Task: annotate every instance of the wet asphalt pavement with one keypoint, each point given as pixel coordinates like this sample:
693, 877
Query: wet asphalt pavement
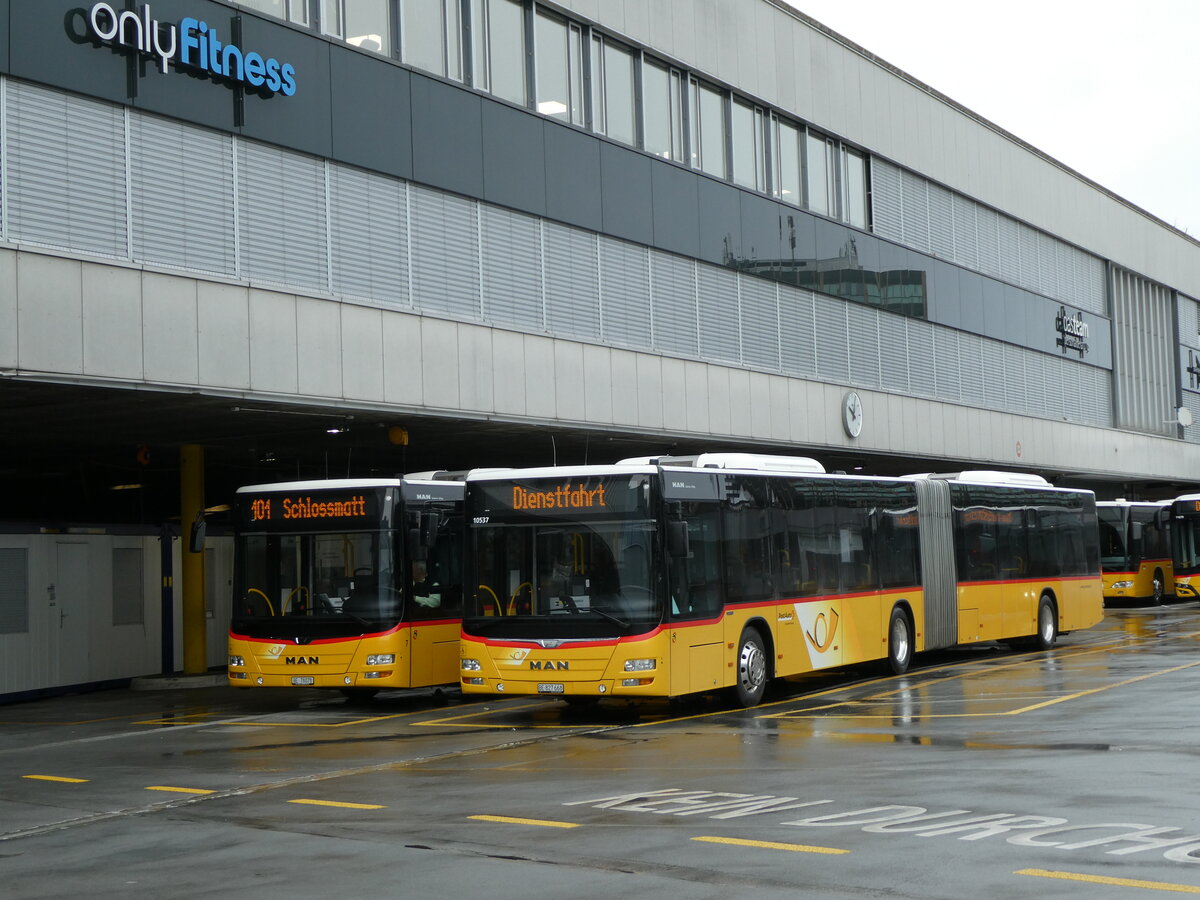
981, 773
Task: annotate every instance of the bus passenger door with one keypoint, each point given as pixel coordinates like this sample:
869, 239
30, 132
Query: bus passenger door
696, 606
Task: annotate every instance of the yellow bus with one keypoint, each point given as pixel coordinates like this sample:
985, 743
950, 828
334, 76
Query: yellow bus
1184, 518
661, 577
352, 584
1135, 551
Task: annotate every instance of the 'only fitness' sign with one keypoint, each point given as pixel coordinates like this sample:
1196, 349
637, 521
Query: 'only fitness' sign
191, 44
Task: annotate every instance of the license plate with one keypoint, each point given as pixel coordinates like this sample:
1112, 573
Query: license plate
545, 688
303, 679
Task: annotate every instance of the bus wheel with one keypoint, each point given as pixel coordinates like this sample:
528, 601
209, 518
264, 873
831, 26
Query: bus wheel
751, 669
1047, 625
899, 641
1158, 587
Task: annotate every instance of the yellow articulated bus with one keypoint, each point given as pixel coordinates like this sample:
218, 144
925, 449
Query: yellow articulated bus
1135, 551
352, 584
660, 577
1184, 518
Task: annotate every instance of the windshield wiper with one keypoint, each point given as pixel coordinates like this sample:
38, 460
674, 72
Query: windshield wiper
608, 615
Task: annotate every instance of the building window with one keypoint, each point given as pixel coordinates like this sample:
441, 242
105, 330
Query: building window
559, 51
498, 48
786, 183
854, 188
816, 173
749, 154
363, 23
613, 99
291, 10
662, 111
708, 129
431, 36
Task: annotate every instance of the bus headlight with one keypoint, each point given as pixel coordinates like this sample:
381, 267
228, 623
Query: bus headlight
639, 665
381, 659
471, 665
237, 661
1122, 584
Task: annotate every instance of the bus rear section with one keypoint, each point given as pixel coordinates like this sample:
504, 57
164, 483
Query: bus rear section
1041, 575
1135, 552
352, 584
1185, 545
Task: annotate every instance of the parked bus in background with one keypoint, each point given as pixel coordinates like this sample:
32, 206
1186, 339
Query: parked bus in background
663, 577
1184, 519
1135, 551
352, 584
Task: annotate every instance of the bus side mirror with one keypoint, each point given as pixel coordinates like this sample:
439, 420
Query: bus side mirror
199, 531
677, 538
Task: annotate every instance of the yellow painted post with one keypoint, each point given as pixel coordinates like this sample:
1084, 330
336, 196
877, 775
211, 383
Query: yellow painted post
191, 500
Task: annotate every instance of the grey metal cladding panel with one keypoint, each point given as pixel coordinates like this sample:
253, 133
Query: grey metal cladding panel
625, 194
514, 167
676, 198
191, 94
943, 295
970, 301
447, 136
761, 227
54, 48
796, 332
5, 32
799, 239
371, 112
301, 122
572, 176
720, 221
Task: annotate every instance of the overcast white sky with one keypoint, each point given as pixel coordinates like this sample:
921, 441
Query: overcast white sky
1108, 87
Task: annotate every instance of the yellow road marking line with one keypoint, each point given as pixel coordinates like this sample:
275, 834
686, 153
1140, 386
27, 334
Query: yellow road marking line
56, 778
1106, 687
489, 712
510, 820
770, 845
179, 790
878, 698
338, 804
1115, 882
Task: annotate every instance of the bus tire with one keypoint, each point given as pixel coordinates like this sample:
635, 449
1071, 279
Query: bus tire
752, 667
900, 643
1157, 597
1047, 625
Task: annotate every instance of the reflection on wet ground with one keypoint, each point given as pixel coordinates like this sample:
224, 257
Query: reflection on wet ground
1098, 730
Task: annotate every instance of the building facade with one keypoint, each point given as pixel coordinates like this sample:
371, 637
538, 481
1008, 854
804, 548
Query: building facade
699, 223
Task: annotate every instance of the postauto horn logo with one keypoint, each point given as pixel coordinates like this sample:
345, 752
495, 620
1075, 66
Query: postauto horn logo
193, 44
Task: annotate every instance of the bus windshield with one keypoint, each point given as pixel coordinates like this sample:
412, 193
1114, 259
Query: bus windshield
336, 577
1114, 532
1185, 539
597, 575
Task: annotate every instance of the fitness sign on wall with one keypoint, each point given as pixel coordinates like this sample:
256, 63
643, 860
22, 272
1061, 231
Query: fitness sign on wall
192, 45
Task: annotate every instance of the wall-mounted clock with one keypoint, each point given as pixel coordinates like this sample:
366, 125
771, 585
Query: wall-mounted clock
852, 413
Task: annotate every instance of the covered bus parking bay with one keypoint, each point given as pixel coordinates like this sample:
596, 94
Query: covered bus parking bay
93, 478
